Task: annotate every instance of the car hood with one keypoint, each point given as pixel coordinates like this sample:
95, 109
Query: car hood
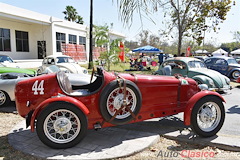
75, 68
16, 70
217, 77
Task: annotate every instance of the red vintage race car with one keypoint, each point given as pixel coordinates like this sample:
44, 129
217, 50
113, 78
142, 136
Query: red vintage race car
62, 112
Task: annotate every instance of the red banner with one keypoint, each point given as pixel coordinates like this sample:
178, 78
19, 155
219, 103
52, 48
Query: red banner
121, 53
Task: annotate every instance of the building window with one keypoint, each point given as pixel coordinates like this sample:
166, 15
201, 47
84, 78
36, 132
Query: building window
72, 39
22, 44
5, 43
82, 40
60, 38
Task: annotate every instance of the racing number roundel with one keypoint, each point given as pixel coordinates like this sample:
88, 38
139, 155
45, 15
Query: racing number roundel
38, 87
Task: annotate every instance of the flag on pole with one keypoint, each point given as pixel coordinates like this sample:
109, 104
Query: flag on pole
188, 53
121, 53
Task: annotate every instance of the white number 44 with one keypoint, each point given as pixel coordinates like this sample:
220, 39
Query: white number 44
38, 87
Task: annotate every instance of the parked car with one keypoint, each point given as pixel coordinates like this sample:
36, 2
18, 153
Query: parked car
8, 82
63, 112
5, 58
7, 61
65, 63
225, 65
197, 70
7, 86
4, 69
202, 58
237, 59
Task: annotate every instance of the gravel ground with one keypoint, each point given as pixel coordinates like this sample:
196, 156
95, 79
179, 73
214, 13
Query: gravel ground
164, 149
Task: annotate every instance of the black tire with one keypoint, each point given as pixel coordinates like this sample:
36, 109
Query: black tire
74, 125
109, 94
203, 113
4, 99
235, 74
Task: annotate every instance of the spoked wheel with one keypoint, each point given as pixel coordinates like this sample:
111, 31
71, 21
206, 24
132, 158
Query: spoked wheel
208, 116
4, 99
61, 125
112, 100
235, 74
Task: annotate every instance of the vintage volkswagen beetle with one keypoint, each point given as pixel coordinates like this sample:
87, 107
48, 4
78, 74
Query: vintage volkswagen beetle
197, 70
64, 62
63, 112
225, 65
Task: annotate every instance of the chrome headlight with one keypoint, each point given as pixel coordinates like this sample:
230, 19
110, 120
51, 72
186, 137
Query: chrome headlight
211, 83
203, 87
85, 71
227, 80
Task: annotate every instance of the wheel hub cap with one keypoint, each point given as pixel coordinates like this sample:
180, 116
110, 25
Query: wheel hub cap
118, 101
206, 116
2, 98
62, 125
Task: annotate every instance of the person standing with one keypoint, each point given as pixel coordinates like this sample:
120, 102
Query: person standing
160, 58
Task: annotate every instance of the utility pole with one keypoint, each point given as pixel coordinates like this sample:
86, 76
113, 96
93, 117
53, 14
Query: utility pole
90, 64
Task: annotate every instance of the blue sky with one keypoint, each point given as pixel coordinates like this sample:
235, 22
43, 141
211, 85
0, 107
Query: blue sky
106, 12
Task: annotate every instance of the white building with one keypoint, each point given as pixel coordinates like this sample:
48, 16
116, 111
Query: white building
24, 34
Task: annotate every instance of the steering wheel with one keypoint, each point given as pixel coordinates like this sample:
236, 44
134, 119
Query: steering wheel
93, 70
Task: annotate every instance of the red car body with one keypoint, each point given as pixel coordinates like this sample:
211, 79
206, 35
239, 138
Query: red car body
157, 96
238, 80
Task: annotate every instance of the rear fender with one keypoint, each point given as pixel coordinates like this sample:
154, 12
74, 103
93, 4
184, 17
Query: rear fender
230, 73
66, 99
193, 100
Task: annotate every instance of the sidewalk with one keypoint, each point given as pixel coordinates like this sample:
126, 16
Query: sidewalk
115, 142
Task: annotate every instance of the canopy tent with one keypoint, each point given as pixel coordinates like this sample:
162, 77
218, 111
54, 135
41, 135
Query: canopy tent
235, 52
147, 49
220, 52
201, 51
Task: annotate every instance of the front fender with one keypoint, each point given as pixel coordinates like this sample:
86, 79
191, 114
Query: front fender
193, 100
42, 105
203, 79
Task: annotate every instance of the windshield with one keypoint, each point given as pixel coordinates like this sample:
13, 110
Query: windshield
232, 61
196, 64
6, 58
65, 60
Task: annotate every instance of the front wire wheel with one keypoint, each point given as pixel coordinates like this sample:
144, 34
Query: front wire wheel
208, 116
61, 125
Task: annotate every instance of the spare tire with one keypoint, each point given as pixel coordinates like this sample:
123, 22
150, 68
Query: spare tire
111, 100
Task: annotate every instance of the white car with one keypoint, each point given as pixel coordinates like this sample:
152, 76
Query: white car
65, 63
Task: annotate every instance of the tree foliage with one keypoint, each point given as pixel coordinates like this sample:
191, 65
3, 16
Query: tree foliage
101, 35
71, 14
190, 18
236, 36
102, 39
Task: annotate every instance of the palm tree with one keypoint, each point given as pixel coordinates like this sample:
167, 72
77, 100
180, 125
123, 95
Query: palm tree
101, 35
70, 13
79, 19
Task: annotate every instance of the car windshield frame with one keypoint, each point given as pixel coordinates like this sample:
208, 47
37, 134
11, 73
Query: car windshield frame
64, 60
4, 58
196, 64
232, 61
